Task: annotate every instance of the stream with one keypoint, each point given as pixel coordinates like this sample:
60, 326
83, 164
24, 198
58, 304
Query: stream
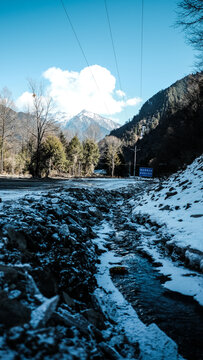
179, 316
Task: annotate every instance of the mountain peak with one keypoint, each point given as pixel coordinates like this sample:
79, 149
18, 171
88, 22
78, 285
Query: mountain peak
88, 124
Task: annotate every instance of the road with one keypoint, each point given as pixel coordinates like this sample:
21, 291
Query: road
15, 188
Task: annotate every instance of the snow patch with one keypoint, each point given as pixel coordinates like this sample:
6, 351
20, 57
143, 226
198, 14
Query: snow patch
154, 343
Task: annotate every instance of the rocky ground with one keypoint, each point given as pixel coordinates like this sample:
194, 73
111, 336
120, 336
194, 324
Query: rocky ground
48, 261
52, 302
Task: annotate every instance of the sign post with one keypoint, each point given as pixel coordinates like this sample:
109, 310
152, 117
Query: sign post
145, 172
135, 153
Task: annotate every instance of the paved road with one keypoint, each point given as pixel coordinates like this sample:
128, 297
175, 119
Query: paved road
15, 188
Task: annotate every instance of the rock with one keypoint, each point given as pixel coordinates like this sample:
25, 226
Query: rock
46, 281
159, 188
68, 300
15, 334
96, 213
65, 317
16, 237
95, 318
109, 352
64, 230
118, 270
196, 215
42, 313
194, 258
166, 207
170, 193
77, 229
14, 294
12, 312
183, 182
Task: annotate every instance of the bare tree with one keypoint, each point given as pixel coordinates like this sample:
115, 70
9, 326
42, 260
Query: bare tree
7, 122
113, 149
43, 120
190, 18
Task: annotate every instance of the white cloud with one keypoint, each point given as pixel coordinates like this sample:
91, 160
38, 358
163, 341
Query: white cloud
120, 93
133, 101
93, 89
25, 101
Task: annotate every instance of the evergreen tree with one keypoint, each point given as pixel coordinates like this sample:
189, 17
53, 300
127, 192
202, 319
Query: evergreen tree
74, 152
63, 139
52, 157
54, 154
90, 156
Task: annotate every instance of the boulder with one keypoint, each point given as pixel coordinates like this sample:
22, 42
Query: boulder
42, 313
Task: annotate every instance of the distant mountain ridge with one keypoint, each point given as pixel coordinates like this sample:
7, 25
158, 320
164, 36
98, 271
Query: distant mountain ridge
169, 127
88, 125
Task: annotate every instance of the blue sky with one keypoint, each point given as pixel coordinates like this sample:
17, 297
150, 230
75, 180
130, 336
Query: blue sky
38, 43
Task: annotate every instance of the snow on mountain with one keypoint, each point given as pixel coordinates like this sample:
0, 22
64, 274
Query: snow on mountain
61, 117
104, 122
88, 125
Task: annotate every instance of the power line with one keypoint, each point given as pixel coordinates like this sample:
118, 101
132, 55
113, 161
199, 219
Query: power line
113, 46
141, 50
114, 50
83, 53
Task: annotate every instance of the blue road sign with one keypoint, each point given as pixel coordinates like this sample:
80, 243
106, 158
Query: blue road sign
145, 172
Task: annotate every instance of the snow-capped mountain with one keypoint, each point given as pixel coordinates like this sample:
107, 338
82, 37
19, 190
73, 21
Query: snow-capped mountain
88, 125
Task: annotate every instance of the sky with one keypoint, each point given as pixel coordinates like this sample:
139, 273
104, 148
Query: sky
38, 43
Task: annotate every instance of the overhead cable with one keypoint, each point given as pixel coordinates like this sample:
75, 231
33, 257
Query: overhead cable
112, 42
114, 50
83, 53
141, 49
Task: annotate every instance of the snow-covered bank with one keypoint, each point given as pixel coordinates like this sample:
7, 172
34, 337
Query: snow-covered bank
154, 344
172, 216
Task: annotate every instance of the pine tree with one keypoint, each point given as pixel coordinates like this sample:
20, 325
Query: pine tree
52, 157
90, 156
75, 155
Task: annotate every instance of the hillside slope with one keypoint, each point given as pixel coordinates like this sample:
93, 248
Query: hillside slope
169, 128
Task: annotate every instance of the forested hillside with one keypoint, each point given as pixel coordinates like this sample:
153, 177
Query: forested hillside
169, 127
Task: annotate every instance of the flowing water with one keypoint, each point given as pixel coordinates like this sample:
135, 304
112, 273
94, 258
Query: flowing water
179, 316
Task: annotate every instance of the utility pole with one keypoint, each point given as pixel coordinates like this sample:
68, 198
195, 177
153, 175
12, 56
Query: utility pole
134, 160
129, 168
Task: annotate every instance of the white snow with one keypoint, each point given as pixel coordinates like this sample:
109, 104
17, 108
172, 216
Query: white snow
154, 344
184, 219
181, 224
